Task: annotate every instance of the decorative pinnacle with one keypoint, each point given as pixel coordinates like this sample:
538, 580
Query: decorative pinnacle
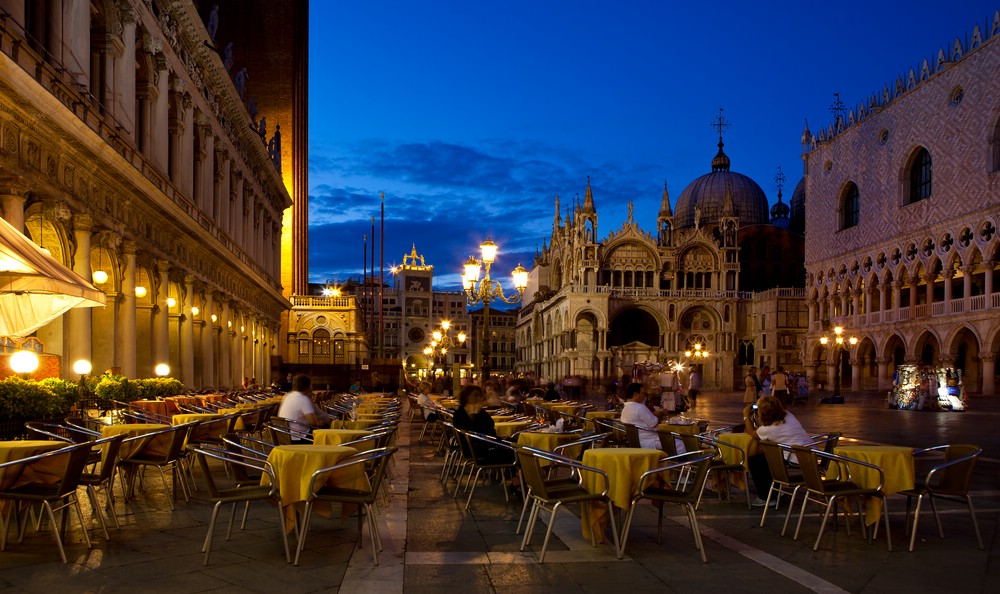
779, 180
720, 124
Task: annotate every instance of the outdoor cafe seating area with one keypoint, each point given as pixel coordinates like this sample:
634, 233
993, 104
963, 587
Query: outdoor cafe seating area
569, 460
230, 449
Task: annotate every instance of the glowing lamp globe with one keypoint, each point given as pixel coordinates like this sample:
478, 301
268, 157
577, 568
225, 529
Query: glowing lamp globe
162, 370
82, 367
24, 362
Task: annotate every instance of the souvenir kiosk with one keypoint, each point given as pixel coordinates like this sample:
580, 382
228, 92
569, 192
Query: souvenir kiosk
936, 389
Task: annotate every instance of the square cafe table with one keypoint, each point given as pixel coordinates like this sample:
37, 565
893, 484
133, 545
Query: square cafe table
624, 467
294, 466
896, 463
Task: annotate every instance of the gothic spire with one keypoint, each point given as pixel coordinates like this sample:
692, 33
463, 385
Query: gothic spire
665, 203
588, 200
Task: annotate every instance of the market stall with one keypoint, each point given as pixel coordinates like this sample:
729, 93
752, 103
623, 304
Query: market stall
937, 389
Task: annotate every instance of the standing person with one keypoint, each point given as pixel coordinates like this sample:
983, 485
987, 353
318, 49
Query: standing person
694, 387
637, 413
752, 386
779, 386
298, 407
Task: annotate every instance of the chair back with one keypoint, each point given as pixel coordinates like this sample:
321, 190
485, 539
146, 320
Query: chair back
533, 473
668, 443
66, 464
49, 431
700, 461
242, 468
578, 446
632, 435
957, 475
775, 461
690, 442
109, 458
479, 444
809, 465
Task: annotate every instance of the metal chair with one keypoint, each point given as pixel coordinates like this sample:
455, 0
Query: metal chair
166, 453
487, 453
544, 496
652, 487
104, 479
54, 496
828, 492
319, 490
238, 491
948, 480
784, 481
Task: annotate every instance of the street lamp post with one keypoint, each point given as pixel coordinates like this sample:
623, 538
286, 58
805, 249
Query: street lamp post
486, 290
837, 343
440, 344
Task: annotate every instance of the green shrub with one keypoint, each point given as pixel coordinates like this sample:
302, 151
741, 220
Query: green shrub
28, 400
122, 389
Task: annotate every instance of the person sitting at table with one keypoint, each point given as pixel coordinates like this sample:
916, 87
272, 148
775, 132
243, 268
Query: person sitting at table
773, 423
550, 392
297, 406
426, 404
472, 416
635, 412
492, 394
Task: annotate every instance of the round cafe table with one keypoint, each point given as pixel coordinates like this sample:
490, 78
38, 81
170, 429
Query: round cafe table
508, 428
17, 450
359, 424
896, 463
339, 436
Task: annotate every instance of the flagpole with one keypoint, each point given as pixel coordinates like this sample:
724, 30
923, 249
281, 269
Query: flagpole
381, 282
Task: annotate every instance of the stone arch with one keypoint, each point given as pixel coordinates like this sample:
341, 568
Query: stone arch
926, 348
635, 324
894, 350
964, 346
866, 356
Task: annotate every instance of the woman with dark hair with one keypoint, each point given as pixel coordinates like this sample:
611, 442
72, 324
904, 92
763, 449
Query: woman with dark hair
471, 416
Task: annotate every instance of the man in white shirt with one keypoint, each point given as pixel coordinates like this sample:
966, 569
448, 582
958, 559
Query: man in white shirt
635, 412
297, 406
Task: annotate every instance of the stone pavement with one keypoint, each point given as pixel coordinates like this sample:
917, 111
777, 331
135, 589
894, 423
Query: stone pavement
432, 545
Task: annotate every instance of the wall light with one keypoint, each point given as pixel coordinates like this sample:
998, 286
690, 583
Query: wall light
195, 311
140, 291
162, 370
171, 302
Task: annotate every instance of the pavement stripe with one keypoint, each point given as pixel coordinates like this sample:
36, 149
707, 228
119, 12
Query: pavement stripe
775, 564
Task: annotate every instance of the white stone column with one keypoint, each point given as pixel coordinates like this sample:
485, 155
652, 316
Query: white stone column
161, 315
160, 129
79, 337
967, 285
208, 378
12, 201
988, 284
226, 346
124, 87
126, 340
187, 333
989, 371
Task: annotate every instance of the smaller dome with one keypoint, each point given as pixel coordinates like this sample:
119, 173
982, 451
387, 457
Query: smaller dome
721, 160
779, 210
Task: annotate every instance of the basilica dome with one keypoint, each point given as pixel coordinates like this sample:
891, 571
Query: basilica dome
797, 214
708, 195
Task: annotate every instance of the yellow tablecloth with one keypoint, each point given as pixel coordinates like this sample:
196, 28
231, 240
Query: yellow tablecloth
192, 417
501, 418
339, 436
624, 467
896, 463
740, 440
547, 441
16, 450
508, 428
132, 430
294, 466
359, 424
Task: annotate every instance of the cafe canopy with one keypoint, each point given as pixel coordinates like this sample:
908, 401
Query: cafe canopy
35, 288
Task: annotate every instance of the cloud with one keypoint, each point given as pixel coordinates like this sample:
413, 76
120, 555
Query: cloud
446, 198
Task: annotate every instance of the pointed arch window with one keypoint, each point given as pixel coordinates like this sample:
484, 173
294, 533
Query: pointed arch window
850, 210
920, 176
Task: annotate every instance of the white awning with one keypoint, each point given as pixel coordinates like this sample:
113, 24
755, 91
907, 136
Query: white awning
35, 288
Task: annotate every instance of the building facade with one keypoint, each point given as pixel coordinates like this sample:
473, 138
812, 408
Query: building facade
597, 309
134, 145
902, 198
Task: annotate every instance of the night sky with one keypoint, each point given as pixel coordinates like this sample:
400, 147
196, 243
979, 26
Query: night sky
473, 116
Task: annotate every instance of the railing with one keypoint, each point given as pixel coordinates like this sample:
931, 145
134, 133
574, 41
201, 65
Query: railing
322, 301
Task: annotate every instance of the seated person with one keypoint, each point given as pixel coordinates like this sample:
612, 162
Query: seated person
772, 423
637, 413
492, 389
297, 406
550, 392
472, 416
427, 405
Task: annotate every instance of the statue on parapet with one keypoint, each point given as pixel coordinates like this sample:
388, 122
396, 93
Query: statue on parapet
213, 22
241, 83
227, 56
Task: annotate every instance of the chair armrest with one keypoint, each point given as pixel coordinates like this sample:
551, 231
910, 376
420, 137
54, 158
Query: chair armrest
674, 462
944, 465
576, 465
714, 441
844, 460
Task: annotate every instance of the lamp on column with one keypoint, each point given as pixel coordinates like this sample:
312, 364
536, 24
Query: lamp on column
837, 343
486, 290
162, 370
82, 367
100, 276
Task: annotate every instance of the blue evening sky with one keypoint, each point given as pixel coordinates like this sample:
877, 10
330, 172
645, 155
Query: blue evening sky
472, 116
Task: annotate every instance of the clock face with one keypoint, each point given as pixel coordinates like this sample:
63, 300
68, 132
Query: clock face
415, 335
